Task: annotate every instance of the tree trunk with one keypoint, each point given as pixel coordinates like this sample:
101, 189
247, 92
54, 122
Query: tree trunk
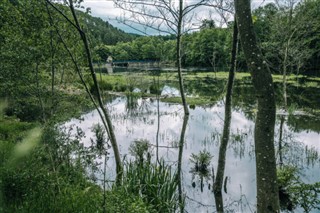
267, 188
281, 140
178, 177
114, 144
217, 187
179, 34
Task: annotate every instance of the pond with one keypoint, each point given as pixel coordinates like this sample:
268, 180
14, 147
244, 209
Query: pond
137, 118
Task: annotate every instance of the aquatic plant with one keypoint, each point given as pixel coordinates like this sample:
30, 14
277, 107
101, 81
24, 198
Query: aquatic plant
201, 161
100, 142
140, 149
156, 185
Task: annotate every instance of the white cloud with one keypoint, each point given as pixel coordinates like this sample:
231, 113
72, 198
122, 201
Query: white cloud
102, 8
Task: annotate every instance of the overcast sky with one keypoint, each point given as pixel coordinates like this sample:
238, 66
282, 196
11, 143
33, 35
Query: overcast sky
105, 9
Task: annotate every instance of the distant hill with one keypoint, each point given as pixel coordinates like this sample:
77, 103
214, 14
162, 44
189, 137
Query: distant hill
103, 32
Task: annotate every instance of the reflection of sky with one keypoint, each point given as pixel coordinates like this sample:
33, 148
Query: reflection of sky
203, 130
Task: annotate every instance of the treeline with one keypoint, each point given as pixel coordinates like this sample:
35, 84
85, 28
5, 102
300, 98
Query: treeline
289, 37
207, 48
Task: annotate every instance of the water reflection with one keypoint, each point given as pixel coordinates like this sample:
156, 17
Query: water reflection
202, 131
179, 166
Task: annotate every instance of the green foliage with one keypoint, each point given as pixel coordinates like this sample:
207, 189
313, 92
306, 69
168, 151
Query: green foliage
100, 142
12, 130
3, 106
201, 162
154, 183
119, 201
140, 149
155, 89
294, 193
290, 34
49, 179
34, 179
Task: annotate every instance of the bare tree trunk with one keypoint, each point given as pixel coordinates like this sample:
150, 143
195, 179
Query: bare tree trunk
179, 34
105, 117
285, 59
217, 187
284, 76
181, 145
158, 118
267, 188
281, 140
114, 144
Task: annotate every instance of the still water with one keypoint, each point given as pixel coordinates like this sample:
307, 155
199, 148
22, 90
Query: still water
137, 118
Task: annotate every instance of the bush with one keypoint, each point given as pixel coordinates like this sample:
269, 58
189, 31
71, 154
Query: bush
294, 193
119, 201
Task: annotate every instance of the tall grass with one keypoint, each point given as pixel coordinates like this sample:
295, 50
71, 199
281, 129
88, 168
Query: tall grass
154, 183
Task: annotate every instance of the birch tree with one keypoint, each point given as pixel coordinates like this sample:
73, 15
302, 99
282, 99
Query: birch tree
267, 188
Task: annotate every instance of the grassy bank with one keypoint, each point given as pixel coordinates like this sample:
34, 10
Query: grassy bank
37, 173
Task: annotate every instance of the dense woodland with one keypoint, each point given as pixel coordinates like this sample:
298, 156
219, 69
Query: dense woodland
47, 51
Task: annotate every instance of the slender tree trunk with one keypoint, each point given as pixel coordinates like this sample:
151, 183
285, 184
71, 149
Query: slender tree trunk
267, 188
104, 115
104, 204
285, 59
217, 187
181, 145
179, 35
114, 144
284, 77
158, 118
281, 140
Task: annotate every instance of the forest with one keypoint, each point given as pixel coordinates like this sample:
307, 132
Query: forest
228, 120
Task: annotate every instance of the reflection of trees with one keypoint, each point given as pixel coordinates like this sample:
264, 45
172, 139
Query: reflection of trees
243, 99
178, 177
291, 151
209, 87
132, 104
201, 163
281, 141
299, 123
137, 106
217, 187
293, 192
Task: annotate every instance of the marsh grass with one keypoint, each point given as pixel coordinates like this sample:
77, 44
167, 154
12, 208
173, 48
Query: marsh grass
155, 184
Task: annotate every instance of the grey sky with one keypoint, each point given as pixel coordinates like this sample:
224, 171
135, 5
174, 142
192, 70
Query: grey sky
105, 10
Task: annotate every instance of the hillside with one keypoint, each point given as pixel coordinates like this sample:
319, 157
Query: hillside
104, 32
